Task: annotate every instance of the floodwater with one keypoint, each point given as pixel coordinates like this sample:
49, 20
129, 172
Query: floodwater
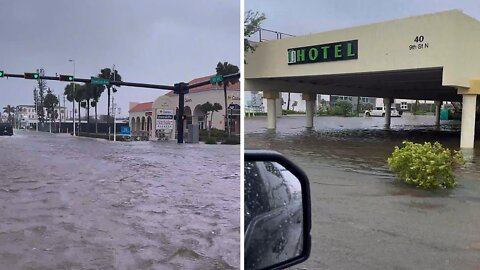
82, 203
363, 217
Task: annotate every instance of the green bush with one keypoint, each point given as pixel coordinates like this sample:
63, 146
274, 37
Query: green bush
217, 133
210, 140
232, 140
427, 166
342, 108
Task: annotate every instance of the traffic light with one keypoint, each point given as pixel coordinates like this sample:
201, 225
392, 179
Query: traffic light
33, 76
65, 78
2, 73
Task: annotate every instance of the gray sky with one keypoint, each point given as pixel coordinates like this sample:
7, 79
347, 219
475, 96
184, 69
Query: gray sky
313, 16
149, 41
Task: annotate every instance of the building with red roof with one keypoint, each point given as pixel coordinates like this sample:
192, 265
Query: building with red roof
157, 119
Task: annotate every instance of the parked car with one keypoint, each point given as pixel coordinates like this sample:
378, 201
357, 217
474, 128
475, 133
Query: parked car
6, 129
380, 111
276, 211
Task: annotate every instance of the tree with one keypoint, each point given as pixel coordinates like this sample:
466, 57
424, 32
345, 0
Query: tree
9, 110
51, 101
70, 94
343, 107
251, 24
88, 94
96, 93
42, 87
209, 107
79, 98
107, 73
226, 69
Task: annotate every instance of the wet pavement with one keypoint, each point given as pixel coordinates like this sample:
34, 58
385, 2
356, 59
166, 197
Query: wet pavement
363, 218
81, 203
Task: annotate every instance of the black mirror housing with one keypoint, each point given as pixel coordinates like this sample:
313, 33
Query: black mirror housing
272, 156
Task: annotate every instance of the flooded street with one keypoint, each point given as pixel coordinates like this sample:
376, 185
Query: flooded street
363, 218
80, 203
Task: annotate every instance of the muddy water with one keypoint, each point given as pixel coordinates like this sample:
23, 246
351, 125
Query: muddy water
363, 218
77, 203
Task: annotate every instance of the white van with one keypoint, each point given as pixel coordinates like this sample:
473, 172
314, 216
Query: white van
380, 111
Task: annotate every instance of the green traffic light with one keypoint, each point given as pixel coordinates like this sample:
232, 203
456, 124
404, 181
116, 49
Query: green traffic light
1, 73
70, 78
35, 76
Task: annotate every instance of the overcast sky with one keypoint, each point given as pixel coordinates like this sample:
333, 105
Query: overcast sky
149, 41
313, 16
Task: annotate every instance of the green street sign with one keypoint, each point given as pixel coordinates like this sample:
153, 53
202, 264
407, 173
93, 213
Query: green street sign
99, 81
1, 73
216, 79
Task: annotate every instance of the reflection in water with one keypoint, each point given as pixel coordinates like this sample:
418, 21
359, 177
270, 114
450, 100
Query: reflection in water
363, 218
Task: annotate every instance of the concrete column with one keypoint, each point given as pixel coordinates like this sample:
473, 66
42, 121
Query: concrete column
194, 120
278, 106
271, 97
388, 104
310, 107
438, 105
468, 121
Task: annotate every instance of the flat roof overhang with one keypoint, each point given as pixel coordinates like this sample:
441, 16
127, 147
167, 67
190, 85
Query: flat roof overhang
422, 84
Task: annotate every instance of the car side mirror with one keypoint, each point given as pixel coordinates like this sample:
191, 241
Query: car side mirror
277, 215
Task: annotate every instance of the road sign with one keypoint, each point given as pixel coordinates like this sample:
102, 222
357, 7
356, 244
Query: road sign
164, 119
216, 79
95, 80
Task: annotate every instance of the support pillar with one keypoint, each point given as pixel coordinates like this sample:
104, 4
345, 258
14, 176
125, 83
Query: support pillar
468, 121
310, 107
387, 102
438, 105
271, 97
467, 133
278, 106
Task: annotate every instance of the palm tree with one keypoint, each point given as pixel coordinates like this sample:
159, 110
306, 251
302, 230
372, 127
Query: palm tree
79, 98
10, 110
107, 73
88, 91
96, 93
69, 93
226, 69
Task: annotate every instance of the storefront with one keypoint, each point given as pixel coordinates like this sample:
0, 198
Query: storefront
157, 119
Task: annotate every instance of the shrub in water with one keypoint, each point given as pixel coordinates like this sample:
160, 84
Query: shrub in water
210, 140
427, 166
232, 140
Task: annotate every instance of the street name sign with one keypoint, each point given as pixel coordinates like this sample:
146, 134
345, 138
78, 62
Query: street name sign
216, 79
99, 81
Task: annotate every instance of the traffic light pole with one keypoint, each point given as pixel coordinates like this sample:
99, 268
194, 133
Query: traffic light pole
181, 112
179, 88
